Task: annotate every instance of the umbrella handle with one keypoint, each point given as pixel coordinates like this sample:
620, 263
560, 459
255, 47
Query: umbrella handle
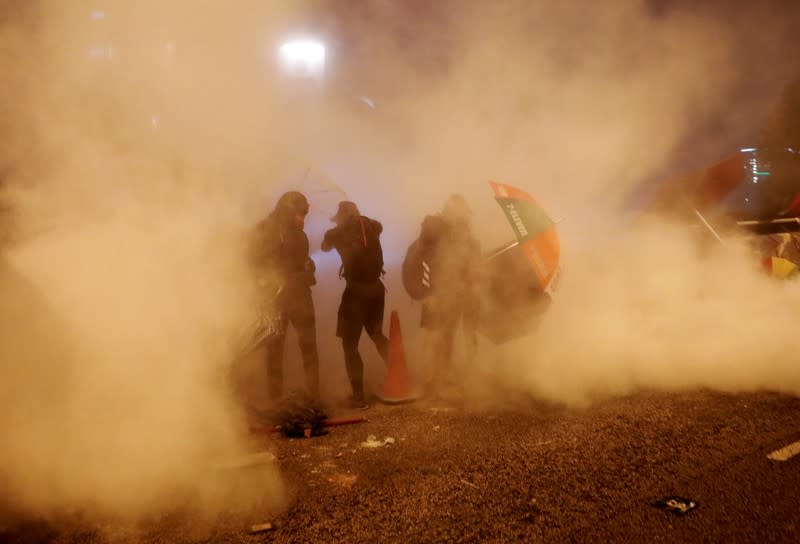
502, 250
708, 226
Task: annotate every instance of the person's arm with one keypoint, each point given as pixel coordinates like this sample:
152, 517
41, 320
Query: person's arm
328, 240
260, 250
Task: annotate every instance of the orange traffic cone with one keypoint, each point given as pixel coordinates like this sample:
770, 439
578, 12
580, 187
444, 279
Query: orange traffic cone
397, 387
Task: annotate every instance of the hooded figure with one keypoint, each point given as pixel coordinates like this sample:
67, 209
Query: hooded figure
452, 255
281, 260
357, 240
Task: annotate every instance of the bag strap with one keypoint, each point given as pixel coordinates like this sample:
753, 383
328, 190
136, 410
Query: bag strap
363, 230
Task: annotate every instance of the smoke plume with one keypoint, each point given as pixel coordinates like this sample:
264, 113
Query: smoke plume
142, 139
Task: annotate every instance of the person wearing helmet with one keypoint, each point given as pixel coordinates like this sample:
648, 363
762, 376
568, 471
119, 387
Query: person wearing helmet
281, 258
357, 240
452, 256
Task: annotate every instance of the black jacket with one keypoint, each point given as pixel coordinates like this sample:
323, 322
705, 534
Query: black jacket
282, 249
357, 241
452, 252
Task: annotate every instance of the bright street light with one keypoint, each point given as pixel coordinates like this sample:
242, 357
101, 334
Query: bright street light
303, 58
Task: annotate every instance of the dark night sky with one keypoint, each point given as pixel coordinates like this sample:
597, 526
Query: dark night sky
421, 29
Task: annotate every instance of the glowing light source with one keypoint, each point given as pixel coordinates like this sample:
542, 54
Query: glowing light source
303, 58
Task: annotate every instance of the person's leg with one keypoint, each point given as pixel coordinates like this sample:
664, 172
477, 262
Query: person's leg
470, 324
436, 356
274, 354
428, 323
447, 337
348, 328
373, 322
302, 317
440, 346
354, 364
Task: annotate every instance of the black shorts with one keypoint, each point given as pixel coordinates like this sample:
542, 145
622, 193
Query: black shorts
362, 307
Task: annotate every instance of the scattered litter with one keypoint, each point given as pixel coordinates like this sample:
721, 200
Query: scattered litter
463, 481
344, 480
339, 454
261, 528
373, 442
248, 460
436, 428
677, 505
785, 453
304, 456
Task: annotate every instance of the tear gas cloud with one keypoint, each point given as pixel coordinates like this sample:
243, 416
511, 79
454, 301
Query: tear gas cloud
133, 180
129, 239
579, 105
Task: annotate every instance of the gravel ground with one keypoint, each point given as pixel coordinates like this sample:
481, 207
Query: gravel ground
530, 472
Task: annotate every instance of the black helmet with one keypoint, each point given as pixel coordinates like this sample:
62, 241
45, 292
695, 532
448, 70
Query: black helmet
292, 202
456, 208
347, 209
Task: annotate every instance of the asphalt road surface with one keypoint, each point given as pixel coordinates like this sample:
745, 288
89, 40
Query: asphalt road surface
527, 473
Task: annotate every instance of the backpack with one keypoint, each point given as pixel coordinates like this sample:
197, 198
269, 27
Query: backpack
417, 264
417, 272
362, 255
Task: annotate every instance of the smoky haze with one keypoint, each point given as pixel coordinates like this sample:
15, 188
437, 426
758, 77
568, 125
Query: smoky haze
144, 136
145, 142
580, 104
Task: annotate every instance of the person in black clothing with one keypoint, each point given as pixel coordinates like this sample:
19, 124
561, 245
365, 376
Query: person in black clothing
453, 254
357, 240
281, 255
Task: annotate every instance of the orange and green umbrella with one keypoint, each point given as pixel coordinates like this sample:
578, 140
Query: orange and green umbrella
535, 231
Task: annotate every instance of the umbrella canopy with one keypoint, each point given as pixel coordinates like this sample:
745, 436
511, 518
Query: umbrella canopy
702, 189
521, 275
780, 253
536, 233
322, 192
781, 268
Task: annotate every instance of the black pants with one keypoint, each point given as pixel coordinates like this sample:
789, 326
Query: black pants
361, 308
443, 322
298, 307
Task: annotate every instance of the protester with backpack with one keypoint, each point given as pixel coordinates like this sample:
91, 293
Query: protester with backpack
357, 240
449, 257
